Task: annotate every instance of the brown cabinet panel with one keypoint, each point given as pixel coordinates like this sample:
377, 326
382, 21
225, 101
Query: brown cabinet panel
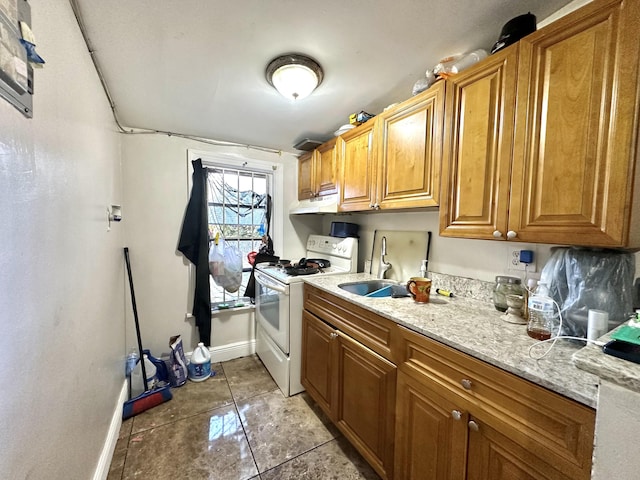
410, 151
480, 106
318, 172
317, 360
495, 456
326, 169
365, 404
305, 176
431, 434
574, 151
356, 153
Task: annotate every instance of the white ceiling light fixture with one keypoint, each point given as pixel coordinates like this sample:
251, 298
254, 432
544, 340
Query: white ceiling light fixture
295, 76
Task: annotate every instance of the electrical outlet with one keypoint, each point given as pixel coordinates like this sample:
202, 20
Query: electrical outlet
513, 258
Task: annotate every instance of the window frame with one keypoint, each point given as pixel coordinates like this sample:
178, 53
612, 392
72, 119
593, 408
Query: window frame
260, 163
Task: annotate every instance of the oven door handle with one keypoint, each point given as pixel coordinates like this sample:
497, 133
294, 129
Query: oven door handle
265, 281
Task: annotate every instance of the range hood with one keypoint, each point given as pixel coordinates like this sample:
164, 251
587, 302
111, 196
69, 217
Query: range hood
326, 204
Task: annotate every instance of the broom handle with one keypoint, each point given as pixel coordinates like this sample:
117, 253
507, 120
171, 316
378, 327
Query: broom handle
135, 316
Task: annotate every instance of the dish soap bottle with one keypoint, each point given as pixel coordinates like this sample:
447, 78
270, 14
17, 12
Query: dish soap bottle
541, 313
423, 269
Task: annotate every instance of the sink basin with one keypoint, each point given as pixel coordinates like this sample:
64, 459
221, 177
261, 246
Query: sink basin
369, 287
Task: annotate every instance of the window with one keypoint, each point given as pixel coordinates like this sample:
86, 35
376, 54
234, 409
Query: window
237, 210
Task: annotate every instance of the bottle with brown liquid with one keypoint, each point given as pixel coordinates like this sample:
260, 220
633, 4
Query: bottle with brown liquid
541, 313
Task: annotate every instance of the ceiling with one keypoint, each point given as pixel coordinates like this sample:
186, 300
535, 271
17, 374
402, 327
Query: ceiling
196, 67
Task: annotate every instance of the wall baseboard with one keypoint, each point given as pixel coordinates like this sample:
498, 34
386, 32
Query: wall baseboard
102, 469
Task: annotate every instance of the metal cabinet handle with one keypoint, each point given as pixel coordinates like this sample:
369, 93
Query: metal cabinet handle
376, 206
497, 234
371, 205
456, 414
333, 335
511, 234
466, 383
473, 426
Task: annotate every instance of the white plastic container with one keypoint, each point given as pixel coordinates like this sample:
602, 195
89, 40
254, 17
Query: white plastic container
137, 385
200, 364
468, 60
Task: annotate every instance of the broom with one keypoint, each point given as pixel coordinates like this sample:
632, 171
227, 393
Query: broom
149, 398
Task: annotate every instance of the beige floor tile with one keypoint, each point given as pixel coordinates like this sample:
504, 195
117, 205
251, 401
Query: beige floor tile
279, 428
247, 377
336, 459
190, 399
208, 446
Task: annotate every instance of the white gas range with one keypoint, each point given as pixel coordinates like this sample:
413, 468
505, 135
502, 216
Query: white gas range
279, 298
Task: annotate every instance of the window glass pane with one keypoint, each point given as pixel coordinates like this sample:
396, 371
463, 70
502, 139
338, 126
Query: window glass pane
237, 202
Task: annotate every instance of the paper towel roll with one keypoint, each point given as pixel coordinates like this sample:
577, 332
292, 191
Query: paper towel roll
597, 324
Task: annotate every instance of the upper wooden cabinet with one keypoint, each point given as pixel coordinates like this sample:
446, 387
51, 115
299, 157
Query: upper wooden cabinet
573, 146
577, 127
409, 151
480, 110
394, 161
318, 172
356, 153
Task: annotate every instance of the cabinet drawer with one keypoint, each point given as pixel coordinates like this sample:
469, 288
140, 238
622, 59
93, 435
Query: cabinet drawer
366, 327
556, 428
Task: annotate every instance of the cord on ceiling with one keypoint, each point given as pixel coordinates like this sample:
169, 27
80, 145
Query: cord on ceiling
146, 131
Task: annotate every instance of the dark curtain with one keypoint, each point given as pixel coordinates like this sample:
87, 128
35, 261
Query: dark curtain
194, 245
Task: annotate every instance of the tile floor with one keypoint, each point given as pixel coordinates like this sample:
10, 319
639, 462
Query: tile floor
235, 425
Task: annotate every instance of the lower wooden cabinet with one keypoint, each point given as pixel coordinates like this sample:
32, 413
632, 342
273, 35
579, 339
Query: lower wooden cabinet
431, 433
460, 418
417, 409
355, 386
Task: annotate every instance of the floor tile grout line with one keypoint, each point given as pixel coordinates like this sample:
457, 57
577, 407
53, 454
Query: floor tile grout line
301, 454
244, 431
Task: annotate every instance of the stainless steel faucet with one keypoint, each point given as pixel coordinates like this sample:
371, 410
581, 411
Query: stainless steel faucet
384, 265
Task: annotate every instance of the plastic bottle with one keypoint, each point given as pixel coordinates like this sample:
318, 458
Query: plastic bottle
541, 313
200, 364
423, 269
137, 385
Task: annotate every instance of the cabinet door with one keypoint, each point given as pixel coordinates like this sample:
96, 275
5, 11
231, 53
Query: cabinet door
497, 457
356, 158
326, 169
410, 152
577, 102
480, 109
317, 363
305, 176
364, 408
431, 434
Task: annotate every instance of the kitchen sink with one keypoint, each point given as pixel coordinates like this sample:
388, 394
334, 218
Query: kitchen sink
373, 288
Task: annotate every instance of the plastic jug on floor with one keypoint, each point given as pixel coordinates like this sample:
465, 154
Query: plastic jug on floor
200, 364
137, 385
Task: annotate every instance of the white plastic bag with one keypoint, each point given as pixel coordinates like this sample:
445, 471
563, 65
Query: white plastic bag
225, 265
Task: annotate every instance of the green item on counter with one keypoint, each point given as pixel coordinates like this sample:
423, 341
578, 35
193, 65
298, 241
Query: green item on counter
627, 334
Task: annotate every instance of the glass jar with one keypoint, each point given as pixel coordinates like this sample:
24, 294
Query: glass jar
505, 286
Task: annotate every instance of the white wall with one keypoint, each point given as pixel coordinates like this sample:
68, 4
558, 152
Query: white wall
480, 259
156, 177
61, 272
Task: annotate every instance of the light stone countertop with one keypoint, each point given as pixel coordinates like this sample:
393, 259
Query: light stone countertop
615, 370
477, 328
